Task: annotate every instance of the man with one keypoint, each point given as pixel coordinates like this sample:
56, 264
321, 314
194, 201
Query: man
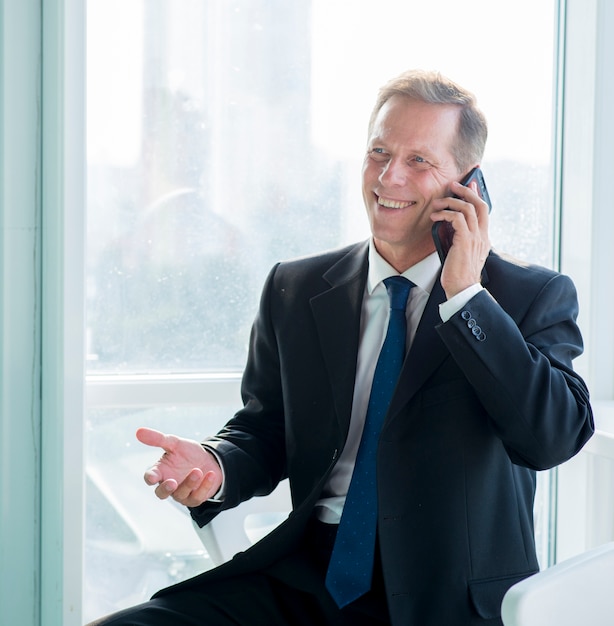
486, 396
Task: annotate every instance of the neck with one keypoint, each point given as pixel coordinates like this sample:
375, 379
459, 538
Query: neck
402, 257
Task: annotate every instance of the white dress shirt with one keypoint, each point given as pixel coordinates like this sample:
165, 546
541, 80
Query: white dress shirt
373, 325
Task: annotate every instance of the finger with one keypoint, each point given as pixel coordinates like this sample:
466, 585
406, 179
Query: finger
470, 194
463, 191
444, 208
207, 488
456, 217
460, 213
191, 482
166, 488
152, 476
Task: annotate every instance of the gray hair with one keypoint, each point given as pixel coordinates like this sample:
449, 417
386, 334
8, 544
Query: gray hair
434, 88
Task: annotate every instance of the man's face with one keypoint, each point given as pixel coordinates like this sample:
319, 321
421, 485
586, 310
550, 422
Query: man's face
408, 164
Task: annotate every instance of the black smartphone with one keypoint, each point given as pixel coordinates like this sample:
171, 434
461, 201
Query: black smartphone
443, 232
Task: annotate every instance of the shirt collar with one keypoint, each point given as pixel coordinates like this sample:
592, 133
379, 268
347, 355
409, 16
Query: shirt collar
423, 274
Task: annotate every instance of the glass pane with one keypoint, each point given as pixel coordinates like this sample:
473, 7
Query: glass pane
135, 544
225, 136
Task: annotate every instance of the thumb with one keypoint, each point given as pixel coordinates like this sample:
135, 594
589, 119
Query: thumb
151, 437
155, 438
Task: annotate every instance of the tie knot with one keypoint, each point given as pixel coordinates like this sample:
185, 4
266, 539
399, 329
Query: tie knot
398, 291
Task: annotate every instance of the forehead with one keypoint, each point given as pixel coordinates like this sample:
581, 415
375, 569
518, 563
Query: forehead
406, 121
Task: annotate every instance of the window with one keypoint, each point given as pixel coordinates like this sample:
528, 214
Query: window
223, 136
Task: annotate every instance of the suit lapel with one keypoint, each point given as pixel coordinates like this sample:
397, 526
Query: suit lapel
336, 313
426, 353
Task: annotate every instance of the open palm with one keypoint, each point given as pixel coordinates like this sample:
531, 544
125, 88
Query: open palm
186, 471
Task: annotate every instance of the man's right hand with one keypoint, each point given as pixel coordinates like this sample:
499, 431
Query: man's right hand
186, 471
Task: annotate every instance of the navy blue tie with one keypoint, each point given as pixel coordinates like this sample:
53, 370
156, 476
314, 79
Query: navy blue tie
351, 565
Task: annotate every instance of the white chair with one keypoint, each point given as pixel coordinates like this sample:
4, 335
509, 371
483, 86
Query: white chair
576, 592
237, 529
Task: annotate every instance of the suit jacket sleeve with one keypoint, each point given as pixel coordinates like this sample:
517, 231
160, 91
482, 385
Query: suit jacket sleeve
252, 443
519, 362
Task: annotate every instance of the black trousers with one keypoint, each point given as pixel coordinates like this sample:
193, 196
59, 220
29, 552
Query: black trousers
266, 598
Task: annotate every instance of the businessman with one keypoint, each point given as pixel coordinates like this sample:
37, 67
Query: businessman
408, 401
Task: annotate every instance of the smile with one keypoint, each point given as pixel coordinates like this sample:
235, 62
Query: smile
393, 204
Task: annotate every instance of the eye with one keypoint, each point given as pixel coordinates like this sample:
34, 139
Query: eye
378, 154
419, 162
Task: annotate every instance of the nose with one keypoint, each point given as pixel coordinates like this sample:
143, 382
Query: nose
394, 173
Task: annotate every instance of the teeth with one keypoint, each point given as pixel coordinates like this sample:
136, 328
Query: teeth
393, 204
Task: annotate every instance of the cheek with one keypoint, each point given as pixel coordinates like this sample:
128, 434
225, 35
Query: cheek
371, 170
441, 180
435, 186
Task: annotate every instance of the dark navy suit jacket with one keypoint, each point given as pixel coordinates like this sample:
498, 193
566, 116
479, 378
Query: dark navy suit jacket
483, 401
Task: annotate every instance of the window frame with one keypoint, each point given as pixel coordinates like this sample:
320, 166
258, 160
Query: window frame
20, 268
63, 233
587, 132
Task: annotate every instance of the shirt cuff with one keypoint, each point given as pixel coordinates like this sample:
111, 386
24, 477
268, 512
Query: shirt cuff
448, 308
221, 492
